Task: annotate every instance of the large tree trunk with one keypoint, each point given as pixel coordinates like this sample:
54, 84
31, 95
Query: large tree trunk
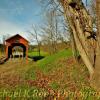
85, 39
96, 76
81, 25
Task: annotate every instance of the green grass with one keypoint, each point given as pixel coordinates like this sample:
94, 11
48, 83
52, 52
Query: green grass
52, 58
35, 53
30, 74
54, 85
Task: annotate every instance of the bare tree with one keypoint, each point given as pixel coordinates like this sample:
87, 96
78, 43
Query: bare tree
34, 35
55, 30
50, 31
81, 26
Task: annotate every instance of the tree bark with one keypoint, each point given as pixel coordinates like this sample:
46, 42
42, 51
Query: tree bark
96, 77
87, 42
81, 26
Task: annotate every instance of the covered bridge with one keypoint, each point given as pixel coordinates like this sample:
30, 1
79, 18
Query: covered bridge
16, 42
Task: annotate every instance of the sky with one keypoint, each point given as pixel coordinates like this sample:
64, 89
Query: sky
17, 16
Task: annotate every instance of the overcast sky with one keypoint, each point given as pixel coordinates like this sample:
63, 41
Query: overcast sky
17, 16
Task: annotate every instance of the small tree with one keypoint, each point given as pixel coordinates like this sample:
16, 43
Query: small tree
49, 31
34, 35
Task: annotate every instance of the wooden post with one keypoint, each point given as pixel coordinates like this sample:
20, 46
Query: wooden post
6, 51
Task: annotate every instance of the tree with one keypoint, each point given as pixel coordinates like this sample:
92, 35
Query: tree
50, 31
86, 40
96, 76
4, 37
34, 35
81, 26
55, 30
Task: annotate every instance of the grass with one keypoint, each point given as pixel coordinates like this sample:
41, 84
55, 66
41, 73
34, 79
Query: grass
58, 71
30, 74
35, 53
52, 58
54, 85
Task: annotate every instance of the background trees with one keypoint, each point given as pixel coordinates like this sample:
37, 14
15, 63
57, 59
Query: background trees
2, 44
54, 28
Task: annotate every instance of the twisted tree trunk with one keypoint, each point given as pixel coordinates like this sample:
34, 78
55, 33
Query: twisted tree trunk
86, 41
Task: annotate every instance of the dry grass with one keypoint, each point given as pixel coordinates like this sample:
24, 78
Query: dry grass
62, 74
13, 71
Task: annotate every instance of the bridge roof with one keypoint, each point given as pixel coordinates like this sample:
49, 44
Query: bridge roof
16, 36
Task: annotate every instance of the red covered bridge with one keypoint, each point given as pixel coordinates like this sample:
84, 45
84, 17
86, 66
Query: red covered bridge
18, 41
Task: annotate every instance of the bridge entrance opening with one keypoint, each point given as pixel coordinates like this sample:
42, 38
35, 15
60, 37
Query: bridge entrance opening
17, 50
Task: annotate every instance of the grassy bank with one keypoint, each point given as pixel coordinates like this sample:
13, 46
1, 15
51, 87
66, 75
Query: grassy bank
52, 58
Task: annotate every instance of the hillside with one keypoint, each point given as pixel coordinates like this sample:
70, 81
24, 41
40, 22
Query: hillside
45, 78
